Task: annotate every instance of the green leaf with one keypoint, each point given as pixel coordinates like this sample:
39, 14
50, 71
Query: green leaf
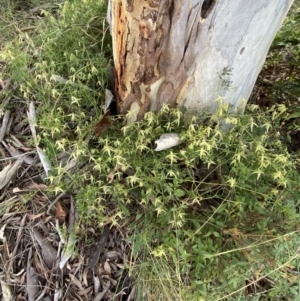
294, 115
179, 193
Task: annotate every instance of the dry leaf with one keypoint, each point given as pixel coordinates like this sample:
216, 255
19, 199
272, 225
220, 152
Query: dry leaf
74, 296
58, 294
85, 277
126, 285
72, 163
5, 254
73, 216
108, 99
99, 248
32, 217
102, 125
60, 213
100, 296
132, 295
112, 174
112, 255
44, 159
76, 282
58, 78
2, 236
62, 80
17, 154
17, 143
167, 141
85, 291
32, 284
106, 267
96, 283
4, 124
31, 187
6, 291
32, 121
4, 85
48, 252
8, 172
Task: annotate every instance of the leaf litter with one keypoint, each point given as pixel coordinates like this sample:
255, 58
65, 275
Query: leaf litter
43, 247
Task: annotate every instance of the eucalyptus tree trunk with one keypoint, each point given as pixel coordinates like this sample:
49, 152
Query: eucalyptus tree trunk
189, 52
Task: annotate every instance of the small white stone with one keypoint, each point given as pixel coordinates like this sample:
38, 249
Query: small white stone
167, 141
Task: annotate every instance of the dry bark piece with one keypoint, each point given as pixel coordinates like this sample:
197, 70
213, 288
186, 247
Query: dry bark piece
99, 248
48, 252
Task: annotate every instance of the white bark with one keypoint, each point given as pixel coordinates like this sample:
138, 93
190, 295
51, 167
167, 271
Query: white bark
190, 52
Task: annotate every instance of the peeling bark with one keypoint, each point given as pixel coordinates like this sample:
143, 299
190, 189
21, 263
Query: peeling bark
189, 52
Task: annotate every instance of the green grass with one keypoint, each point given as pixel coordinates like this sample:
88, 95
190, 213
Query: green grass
206, 219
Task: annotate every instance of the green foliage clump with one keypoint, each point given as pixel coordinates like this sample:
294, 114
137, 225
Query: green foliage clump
63, 66
216, 207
